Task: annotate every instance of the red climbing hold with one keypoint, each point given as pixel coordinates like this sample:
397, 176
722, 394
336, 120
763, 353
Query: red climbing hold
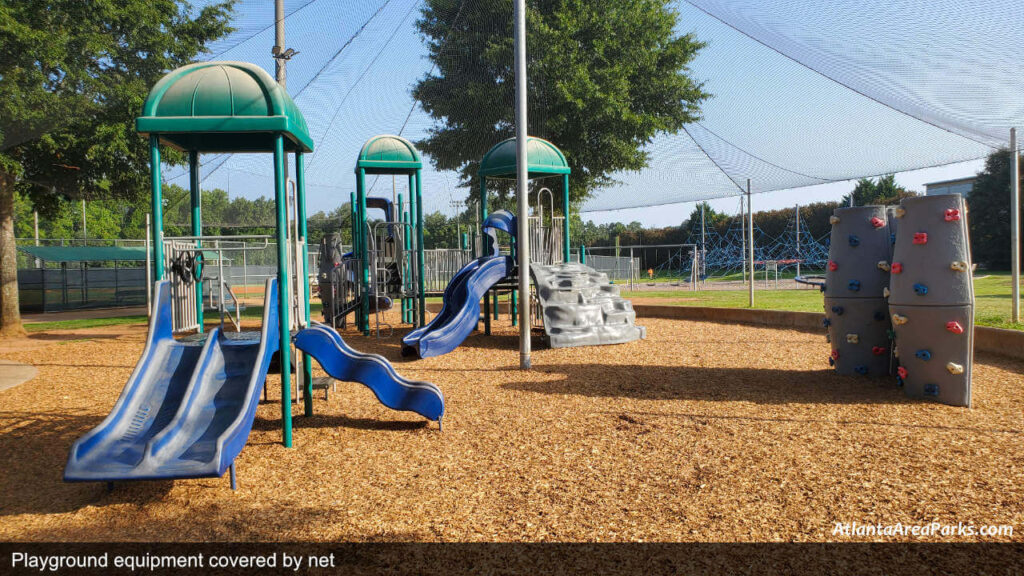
952, 215
920, 237
877, 222
901, 372
897, 267
833, 266
878, 350
954, 327
835, 354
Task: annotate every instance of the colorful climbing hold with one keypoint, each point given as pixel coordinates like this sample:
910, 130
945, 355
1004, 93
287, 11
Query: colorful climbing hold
854, 285
826, 322
920, 289
837, 310
931, 389
854, 240
901, 372
828, 338
877, 222
821, 288
861, 370
952, 215
899, 211
958, 266
883, 265
954, 327
897, 267
885, 292
852, 339
878, 350
835, 354
899, 320
833, 220
899, 381
833, 266
892, 238
920, 238
923, 354
955, 368
831, 361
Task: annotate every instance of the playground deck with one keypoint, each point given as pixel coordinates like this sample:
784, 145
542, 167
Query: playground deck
701, 432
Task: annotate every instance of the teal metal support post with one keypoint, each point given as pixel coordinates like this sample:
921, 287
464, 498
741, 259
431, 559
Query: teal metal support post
414, 243
565, 222
300, 201
197, 224
364, 254
158, 209
400, 208
283, 291
583, 254
422, 287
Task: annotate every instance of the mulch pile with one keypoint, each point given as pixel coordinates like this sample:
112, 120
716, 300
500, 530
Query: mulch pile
701, 432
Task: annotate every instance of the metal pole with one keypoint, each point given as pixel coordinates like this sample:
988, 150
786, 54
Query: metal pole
522, 133
743, 237
279, 62
149, 271
300, 209
1015, 224
750, 243
283, 293
158, 207
85, 231
195, 191
797, 241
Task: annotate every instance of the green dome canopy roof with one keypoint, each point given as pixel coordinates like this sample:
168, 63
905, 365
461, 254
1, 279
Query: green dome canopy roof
388, 154
544, 159
223, 107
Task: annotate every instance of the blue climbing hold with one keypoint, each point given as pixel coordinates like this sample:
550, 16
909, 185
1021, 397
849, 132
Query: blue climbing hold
826, 322
861, 369
831, 361
931, 389
923, 354
821, 288
879, 315
920, 289
899, 381
854, 240
854, 285
838, 310
892, 239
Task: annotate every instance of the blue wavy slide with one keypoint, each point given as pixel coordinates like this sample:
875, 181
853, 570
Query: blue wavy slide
460, 311
187, 409
341, 362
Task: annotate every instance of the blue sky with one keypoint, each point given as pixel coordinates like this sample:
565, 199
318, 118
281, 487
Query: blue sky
770, 118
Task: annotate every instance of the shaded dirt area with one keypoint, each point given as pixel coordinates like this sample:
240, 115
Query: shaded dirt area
702, 432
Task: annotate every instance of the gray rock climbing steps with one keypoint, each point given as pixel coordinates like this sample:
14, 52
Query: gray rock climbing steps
581, 308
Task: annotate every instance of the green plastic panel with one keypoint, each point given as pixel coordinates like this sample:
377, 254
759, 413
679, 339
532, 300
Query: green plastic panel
544, 157
223, 107
389, 154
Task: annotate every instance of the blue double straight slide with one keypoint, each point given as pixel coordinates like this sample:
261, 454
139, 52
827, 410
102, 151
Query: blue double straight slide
343, 363
187, 409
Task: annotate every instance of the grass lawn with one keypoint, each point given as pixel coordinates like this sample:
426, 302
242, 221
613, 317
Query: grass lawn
991, 294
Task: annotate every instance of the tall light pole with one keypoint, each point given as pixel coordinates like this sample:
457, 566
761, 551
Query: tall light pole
750, 244
1015, 224
522, 133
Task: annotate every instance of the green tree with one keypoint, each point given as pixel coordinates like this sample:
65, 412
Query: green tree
989, 219
73, 76
884, 191
605, 79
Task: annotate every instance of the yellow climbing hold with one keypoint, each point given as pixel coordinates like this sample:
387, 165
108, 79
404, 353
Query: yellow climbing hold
899, 212
852, 338
833, 220
883, 265
955, 368
958, 266
899, 320
885, 292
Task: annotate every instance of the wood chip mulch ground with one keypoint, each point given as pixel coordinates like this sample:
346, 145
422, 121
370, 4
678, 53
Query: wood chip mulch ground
701, 432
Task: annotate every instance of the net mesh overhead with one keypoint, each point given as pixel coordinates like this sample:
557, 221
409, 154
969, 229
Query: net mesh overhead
803, 94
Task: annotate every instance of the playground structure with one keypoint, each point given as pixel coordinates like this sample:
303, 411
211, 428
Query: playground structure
188, 408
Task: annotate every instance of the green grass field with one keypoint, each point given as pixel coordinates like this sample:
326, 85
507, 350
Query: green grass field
992, 300
991, 293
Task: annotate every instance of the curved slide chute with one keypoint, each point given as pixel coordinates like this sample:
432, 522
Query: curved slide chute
460, 311
187, 409
341, 362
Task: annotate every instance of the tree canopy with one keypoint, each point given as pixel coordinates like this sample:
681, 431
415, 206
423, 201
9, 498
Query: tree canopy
883, 191
989, 219
604, 79
73, 77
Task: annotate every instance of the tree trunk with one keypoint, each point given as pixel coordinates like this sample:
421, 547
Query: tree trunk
10, 313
